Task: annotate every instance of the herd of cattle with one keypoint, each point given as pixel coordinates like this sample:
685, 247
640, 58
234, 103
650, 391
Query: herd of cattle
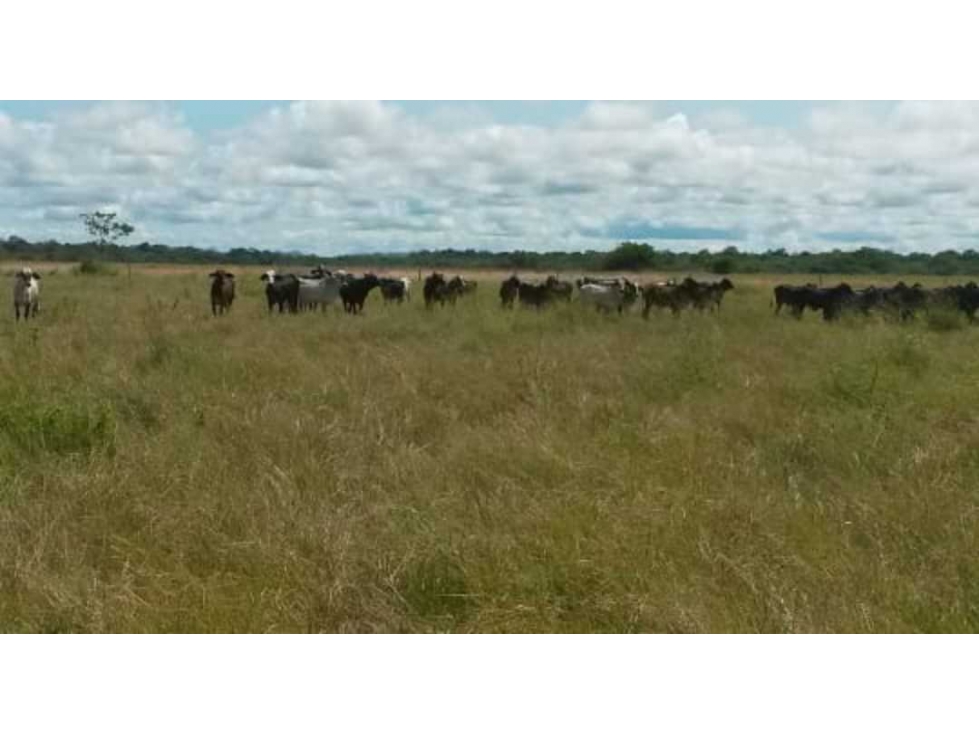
902, 300
617, 294
316, 290
321, 288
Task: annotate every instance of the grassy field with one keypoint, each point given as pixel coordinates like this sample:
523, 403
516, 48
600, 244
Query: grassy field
472, 469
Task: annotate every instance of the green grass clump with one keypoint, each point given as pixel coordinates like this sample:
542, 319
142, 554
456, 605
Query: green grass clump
945, 320
58, 428
473, 469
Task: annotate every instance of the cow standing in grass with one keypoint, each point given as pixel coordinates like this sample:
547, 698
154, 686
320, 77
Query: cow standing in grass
222, 291
831, 301
559, 289
27, 293
354, 292
393, 289
537, 295
318, 290
458, 287
663, 295
435, 290
603, 297
281, 291
508, 291
795, 297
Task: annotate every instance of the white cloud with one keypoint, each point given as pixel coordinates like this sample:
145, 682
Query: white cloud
339, 177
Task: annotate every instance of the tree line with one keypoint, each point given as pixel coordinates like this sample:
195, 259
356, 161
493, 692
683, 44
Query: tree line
629, 256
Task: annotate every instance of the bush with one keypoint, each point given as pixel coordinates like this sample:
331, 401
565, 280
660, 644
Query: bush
629, 256
724, 266
94, 267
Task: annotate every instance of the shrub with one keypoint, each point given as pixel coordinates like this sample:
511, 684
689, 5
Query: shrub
629, 256
94, 267
723, 266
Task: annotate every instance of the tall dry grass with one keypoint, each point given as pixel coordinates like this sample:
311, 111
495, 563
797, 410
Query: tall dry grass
472, 469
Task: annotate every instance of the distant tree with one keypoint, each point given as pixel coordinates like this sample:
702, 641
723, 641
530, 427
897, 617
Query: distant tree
104, 227
629, 256
722, 266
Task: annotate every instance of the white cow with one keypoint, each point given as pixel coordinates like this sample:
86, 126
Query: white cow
27, 293
602, 297
407, 282
315, 292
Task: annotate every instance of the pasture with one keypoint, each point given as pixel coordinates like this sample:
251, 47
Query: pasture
471, 469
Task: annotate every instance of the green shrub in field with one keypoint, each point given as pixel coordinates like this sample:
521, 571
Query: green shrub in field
94, 267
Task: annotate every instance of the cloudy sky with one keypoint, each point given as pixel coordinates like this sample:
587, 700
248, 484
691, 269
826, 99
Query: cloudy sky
342, 177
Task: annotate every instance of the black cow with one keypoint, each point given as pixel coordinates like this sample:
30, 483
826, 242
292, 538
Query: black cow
222, 291
281, 291
392, 289
703, 295
354, 292
906, 300
964, 298
458, 287
660, 295
508, 291
967, 299
534, 294
868, 299
687, 293
714, 293
796, 297
833, 301
435, 290
560, 289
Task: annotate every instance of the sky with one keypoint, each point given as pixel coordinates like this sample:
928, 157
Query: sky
352, 177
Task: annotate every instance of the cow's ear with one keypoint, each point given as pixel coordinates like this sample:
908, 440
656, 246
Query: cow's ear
37, 276
229, 275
